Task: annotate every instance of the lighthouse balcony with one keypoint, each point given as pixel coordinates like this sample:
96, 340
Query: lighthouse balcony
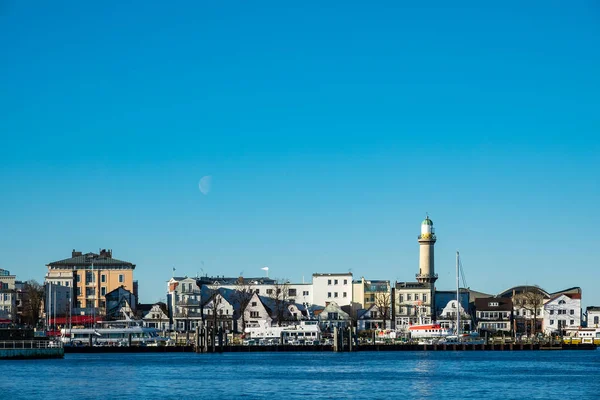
426, 276
427, 236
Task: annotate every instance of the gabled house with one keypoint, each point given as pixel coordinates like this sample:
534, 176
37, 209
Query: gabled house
120, 302
155, 316
447, 317
333, 316
218, 308
372, 318
494, 314
256, 313
183, 303
561, 312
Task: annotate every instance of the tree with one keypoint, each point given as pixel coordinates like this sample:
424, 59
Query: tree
531, 299
279, 296
242, 296
383, 302
212, 305
33, 300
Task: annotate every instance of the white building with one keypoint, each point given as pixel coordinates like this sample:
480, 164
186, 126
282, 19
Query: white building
156, 317
329, 288
8, 296
184, 303
562, 312
593, 317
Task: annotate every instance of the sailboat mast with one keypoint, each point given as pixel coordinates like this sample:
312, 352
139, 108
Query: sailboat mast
457, 296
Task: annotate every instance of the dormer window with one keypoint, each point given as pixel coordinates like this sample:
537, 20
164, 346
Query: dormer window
562, 302
493, 304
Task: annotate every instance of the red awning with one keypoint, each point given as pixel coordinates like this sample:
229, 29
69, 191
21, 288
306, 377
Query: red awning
74, 320
5, 321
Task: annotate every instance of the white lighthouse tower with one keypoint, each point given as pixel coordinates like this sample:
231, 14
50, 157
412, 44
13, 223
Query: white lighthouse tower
426, 264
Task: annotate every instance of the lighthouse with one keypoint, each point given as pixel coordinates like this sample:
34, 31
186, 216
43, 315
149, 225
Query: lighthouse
426, 243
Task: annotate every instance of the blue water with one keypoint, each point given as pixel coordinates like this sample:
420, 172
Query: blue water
365, 375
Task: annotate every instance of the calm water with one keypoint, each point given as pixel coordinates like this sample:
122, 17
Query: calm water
408, 375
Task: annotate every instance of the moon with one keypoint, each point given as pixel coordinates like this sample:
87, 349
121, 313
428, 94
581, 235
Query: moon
205, 184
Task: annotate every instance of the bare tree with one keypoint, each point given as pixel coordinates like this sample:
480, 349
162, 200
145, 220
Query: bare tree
32, 302
532, 299
383, 303
211, 304
279, 296
242, 296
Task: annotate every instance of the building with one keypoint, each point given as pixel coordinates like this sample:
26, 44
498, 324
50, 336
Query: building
415, 301
91, 276
373, 318
328, 288
8, 297
333, 316
561, 312
184, 303
447, 316
155, 316
120, 301
494, 314
593, 317
366, 293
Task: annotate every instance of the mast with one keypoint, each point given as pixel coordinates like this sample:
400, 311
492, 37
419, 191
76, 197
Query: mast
457, 296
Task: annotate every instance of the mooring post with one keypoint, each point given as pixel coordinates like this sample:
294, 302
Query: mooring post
335, 339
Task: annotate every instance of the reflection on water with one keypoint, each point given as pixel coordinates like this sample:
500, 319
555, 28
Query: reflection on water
368, 375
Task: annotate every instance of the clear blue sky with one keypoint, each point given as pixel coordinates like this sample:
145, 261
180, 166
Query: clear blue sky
328, 130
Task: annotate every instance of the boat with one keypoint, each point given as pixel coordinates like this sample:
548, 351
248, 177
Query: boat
115, 333
306, 332
425, 332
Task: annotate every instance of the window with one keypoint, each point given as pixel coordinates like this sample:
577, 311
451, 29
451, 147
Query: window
416, 296
551, 312
596, 320
345, 281
103, 291
401, 298
329, 294
292, 292
551, 322
408, 297
103, 278
571, 322
572, 312
493, 304
335, 282
345, 294
424, 298
78, 278
329, 281
335, 294
253, 314
305, 293
257, 291
122, 278
253, 304
269, 291
90, 277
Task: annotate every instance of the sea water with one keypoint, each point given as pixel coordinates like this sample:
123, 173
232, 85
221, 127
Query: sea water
362, 375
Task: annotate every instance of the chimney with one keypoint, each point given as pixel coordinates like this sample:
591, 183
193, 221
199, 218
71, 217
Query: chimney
75, 253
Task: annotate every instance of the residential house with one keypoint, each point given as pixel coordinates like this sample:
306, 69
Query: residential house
8, 297
184, 303
561, 312
593, 317
333, 316
494, 314
373, 318
120, 302
448, 315
218, 309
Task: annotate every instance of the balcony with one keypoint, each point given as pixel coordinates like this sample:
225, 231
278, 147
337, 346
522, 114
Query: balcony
188, 303
427, 236
426, 276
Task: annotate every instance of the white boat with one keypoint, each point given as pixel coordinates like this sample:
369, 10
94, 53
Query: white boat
428, 331
113, 334
303, 333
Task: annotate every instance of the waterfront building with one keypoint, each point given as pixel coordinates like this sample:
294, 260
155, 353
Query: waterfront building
8, 297
415, 301
593, 317
155, 316
91, 276
368, 292
373, 318
120, 301
333, 316
218, 310
332, 287
561, 312
184, 303
447, 316
494, 315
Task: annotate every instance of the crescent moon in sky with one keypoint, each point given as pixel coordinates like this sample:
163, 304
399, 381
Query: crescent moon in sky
205, 184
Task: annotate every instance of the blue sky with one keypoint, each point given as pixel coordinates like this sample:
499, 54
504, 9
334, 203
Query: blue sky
329, 131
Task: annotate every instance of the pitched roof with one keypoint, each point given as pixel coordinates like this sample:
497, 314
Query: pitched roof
85, 260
